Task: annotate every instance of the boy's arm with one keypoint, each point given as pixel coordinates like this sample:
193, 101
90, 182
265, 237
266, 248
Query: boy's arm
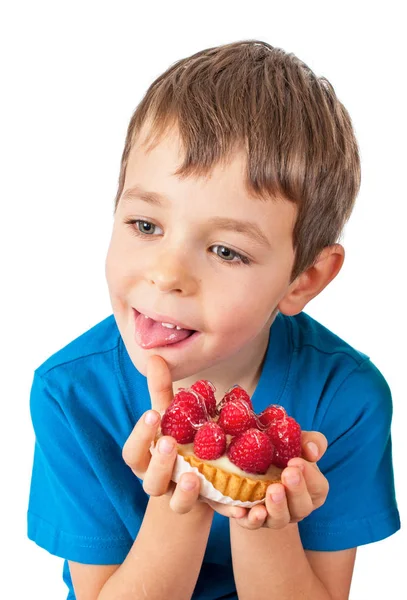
268, 556
272, 564
168, 552
167, 555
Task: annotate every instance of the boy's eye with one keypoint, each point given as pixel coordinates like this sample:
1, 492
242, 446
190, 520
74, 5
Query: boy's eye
229, 255
225, 253
145, 226
141, 227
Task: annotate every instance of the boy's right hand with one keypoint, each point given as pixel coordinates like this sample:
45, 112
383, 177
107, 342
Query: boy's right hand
155, 469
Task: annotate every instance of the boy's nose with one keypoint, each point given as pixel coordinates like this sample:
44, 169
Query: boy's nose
170, 274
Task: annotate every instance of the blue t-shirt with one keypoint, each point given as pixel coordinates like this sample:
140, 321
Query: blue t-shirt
87, 506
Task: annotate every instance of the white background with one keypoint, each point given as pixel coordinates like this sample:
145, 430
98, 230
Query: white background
72, 73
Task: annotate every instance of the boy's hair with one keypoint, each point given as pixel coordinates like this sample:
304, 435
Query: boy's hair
296, 134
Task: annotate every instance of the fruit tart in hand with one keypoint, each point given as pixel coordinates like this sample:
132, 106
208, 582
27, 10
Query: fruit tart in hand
236, 452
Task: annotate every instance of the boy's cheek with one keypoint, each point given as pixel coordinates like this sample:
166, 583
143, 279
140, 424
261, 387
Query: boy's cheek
119, 275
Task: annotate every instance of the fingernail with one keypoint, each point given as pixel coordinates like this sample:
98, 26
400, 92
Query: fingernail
187, 484
277, 496
293, 478
151, 418
165, 446
313, 448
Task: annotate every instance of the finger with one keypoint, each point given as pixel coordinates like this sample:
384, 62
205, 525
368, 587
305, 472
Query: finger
159, 383
317, 484
136, 451
185, 494
158, 475
298, 498
257, 516
277, 507
237, 512
254, 517
233, 512
313, 444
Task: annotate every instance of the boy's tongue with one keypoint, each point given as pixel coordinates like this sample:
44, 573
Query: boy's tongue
151, 334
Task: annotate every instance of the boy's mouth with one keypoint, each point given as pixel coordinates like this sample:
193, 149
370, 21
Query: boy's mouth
151, 333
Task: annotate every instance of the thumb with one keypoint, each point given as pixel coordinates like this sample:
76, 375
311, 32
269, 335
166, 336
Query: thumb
159, 383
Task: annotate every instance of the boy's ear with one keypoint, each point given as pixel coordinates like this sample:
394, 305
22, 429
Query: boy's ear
312, 281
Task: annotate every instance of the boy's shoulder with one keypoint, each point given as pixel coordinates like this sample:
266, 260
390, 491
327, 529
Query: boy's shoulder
99, 339
307, 333
340, 383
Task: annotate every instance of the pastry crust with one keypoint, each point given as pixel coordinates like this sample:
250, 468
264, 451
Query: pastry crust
235, 486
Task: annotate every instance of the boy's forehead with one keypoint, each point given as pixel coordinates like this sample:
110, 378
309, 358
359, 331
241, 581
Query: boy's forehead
222, 190
158, 164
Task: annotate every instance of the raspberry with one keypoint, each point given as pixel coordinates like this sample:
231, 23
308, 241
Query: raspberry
271, 413
236, 416
236, 393
183, 417
206, 389
285, 435
251, 451
210, 441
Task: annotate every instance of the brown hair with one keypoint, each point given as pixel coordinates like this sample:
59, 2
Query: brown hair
297, 135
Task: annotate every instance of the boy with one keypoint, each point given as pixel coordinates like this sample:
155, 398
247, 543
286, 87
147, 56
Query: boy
239, 171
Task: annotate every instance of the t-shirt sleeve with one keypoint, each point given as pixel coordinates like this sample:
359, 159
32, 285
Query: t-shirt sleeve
70, 514
361, 506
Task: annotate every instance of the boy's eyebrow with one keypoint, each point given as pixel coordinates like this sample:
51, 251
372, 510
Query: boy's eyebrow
154, 198
245, 227
138, 193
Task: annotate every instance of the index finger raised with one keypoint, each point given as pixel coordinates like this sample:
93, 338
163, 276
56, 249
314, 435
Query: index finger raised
159, 383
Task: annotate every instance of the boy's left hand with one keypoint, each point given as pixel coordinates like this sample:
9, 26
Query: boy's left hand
303, 489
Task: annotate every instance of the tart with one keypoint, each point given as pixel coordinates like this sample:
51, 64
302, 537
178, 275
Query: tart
228, 479
236, 453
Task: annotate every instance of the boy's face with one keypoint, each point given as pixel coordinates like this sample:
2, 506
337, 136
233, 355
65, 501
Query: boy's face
181, 261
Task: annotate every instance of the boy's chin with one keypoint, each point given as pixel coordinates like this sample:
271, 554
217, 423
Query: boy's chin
177, 371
